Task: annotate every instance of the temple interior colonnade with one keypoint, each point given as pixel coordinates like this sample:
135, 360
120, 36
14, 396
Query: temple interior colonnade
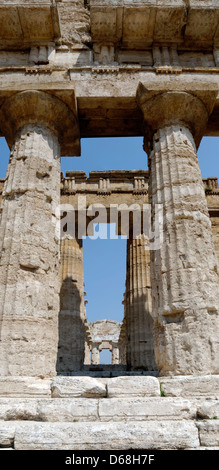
171, 299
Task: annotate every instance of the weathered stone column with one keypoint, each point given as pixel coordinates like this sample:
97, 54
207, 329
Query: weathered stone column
123, 339
139, 323
115, 354
95, 354
87, 355
72, 308
184, 272
29, 274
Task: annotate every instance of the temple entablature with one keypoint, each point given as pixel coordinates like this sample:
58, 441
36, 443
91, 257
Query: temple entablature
105, 182
54, 46
104, 334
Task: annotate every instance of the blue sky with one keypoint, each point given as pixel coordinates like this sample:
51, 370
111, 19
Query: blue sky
105, 260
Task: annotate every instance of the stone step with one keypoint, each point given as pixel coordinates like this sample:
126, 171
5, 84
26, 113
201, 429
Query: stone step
133, 386
117, 386
120, 386
209, 432
190, 386
67, 387
145, 409
24, 387
49, 409
107, 409
170, 434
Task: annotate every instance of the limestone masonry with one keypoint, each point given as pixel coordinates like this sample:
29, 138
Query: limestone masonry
71, 69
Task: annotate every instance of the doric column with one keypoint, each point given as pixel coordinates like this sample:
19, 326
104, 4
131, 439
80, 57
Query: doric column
95, 354
87, 355
29, 262
72, 308
139, 323
122, 343
115, 354
184, 272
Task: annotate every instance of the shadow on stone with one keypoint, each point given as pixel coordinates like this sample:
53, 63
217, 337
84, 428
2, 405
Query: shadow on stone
70, 357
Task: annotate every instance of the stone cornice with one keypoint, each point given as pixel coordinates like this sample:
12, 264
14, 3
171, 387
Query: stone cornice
105, 182
23, 23
142, 22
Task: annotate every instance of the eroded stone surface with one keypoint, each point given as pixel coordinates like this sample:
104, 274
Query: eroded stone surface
7, 432
184, 271
24, 387
189, 386
29, 286
147, 435
208, 409
48, 409
117, 409
133, 386
209, 432
77, 387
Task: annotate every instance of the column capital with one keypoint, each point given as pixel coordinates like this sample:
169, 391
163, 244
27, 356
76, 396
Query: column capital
170, 107
40, 108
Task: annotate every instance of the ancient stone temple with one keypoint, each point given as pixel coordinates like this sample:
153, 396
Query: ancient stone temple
73, 69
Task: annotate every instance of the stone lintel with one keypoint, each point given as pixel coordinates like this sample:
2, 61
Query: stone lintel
104, 328
101, 113
39, 107
189, 108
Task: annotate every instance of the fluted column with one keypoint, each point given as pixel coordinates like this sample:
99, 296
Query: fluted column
72, 309
87, 355
115, 354
139, 323
95, 354
29, 259
184, 271
122, 343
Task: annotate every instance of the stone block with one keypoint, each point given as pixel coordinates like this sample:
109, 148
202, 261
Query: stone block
191, 386
159, 408
133, 386
208, 409
178, 434
24, 387
20, 21
68, 409
18, 409
49, 409
209, 432
88, 387
7, 431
